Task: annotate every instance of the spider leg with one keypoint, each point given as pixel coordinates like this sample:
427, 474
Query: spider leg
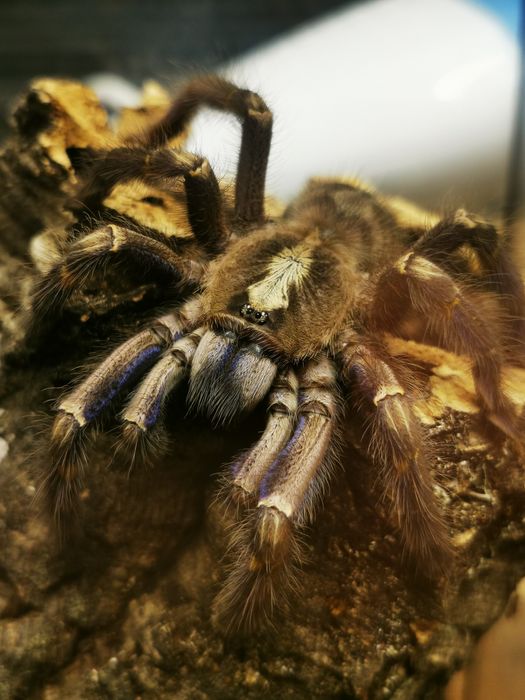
162, 168
434, 295
267, 548
82, 406
485, 252
454, 232
93, 250
142, 412
251, 467
398, 446
256, 119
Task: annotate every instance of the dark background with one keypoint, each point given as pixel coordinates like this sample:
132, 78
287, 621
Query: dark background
135, 38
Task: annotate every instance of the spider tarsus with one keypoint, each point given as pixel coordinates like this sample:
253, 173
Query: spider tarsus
61, 485
141, 446
235, 500
426, 544
262, 576
240, 499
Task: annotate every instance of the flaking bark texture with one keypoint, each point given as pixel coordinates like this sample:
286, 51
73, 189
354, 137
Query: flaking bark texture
123, 610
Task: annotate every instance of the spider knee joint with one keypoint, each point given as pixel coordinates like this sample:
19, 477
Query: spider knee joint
402, 263
273, 532
118, 238
201, 169
65, 427
385, 392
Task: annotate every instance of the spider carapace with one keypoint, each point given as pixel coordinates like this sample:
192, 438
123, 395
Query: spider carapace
293, 312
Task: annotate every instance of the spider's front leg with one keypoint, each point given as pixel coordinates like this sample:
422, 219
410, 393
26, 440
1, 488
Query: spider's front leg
285, 470
162, 169
256, 119
146, 156
250, 468
79, 409
397, 446
141, 428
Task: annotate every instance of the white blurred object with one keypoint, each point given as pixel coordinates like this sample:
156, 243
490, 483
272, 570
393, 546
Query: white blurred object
114, 92
417, 97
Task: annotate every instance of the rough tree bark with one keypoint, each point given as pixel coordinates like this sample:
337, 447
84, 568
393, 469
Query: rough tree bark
124, 610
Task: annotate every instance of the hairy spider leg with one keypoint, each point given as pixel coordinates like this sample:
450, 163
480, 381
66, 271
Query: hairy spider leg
143, 412
437, 298
92, 251
488, 258
250, 468
266, 551
397, 446
162, 168
256, 120
82, 406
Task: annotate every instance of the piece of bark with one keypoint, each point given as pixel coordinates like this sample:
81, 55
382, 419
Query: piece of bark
35, 169
124, 611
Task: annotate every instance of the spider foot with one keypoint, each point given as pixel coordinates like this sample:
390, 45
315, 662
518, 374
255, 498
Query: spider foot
262, 574
140, 447
62, 484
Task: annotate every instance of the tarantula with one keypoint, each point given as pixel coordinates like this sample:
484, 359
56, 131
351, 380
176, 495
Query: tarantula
293, 312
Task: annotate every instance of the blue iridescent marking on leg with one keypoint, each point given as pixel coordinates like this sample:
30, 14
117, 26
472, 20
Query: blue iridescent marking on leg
225, 355
266, 483
138, 362
235, 362
235, 468
155, 408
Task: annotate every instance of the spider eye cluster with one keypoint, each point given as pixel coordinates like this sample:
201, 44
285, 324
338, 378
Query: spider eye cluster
248, 312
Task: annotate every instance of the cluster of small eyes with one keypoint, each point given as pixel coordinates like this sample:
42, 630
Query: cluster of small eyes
248, 312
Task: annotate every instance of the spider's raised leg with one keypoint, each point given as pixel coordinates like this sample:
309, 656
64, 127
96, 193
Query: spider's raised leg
90, 252
266, 551
434, 295
397, 446
256, 118
147, 157
81, 407
142, 413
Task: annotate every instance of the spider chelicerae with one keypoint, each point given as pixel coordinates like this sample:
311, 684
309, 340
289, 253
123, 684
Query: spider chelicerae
293, 312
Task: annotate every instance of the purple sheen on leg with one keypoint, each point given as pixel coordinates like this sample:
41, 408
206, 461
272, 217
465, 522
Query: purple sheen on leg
267, 482
128, 371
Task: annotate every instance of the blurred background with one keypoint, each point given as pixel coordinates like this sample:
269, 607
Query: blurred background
138, 40
421, 98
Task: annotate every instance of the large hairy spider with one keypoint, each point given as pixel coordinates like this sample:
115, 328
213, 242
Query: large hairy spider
292, 312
